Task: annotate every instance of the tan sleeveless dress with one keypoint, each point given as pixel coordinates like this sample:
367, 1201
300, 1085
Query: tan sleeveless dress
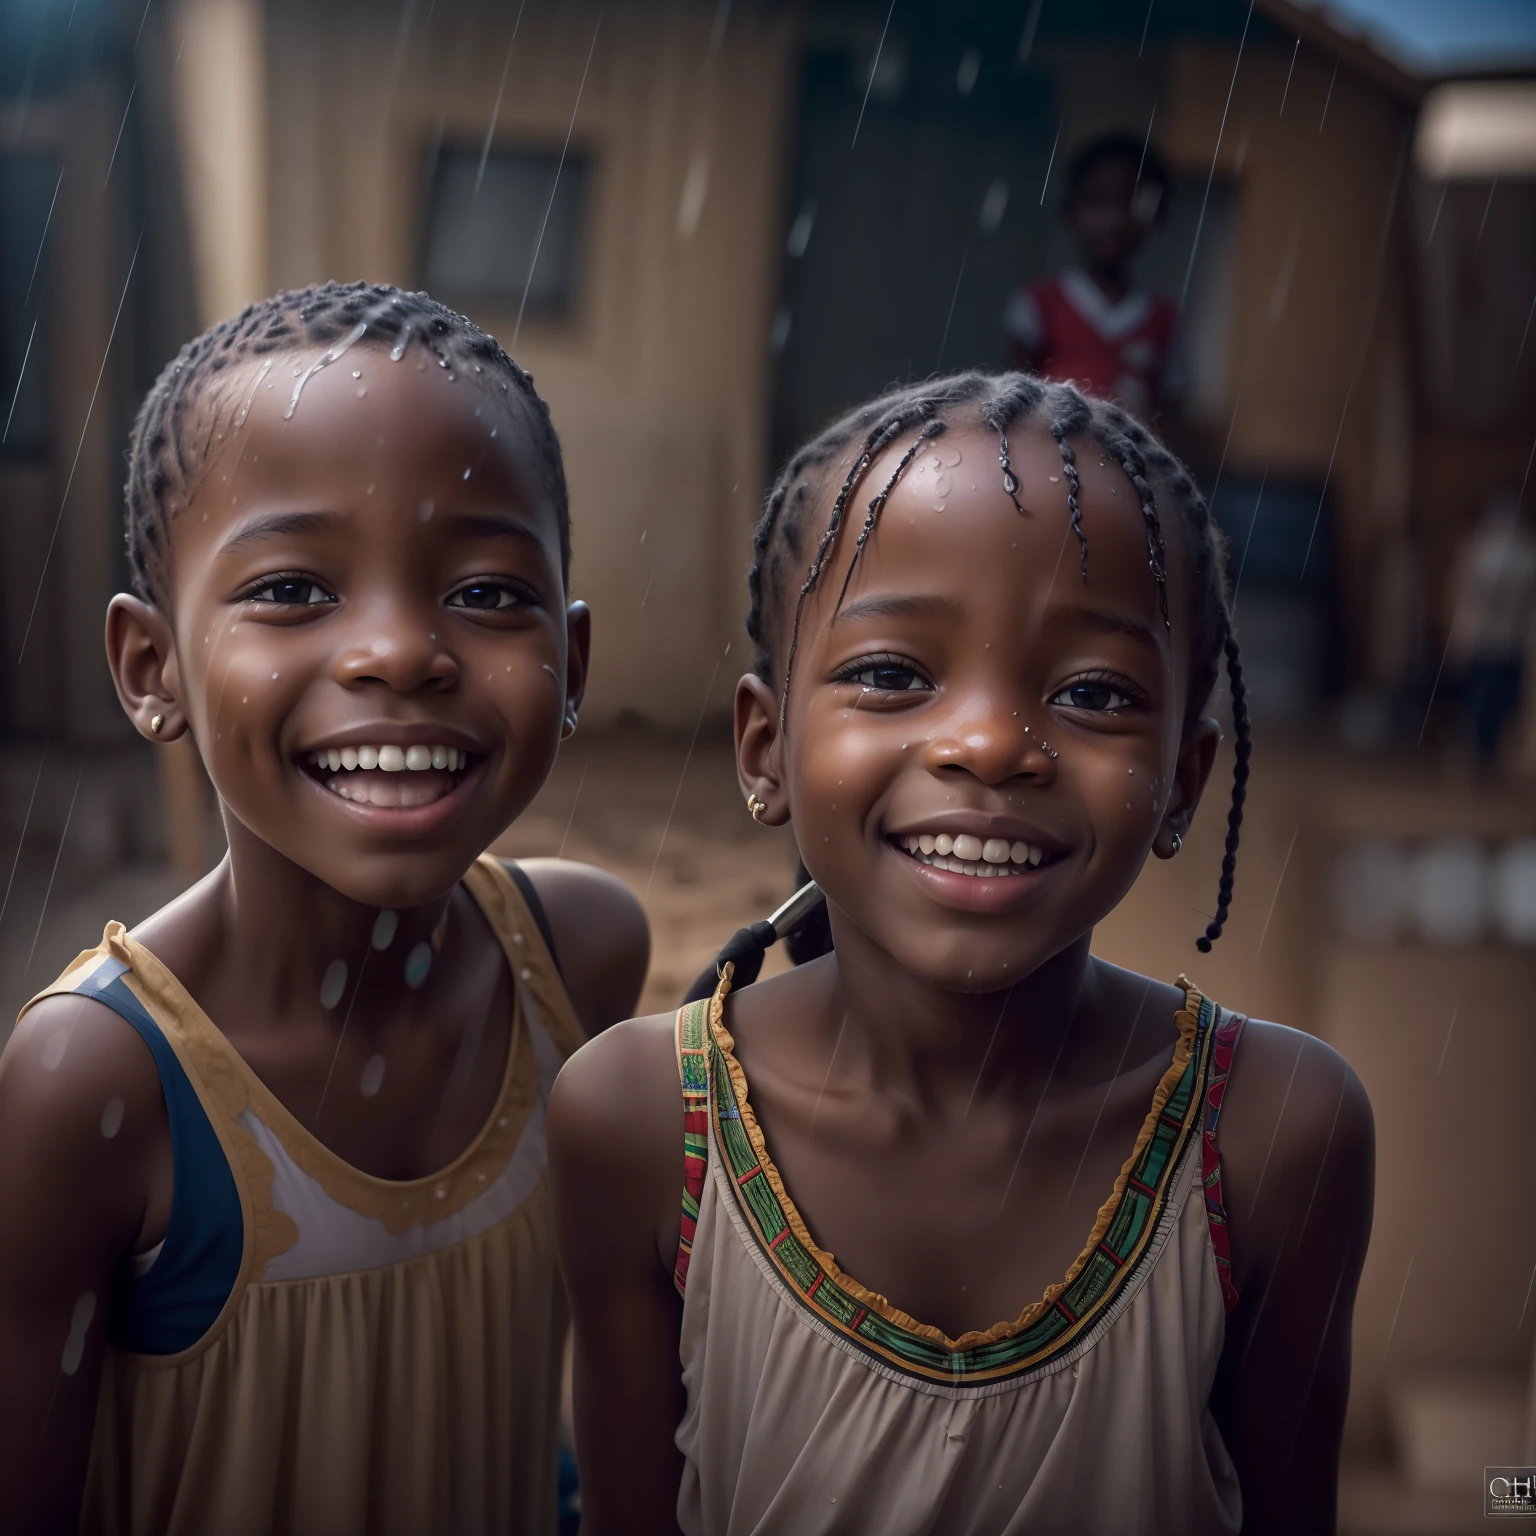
315, 1351
815, 1406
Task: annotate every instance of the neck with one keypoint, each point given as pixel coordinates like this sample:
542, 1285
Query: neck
281, 931
909, 1032
1113, 281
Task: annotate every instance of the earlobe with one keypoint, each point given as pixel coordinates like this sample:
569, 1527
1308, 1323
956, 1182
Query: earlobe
578, 652
758, 769
141, 654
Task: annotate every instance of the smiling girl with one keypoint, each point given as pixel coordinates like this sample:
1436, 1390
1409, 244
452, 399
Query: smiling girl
989, 615
275, 1245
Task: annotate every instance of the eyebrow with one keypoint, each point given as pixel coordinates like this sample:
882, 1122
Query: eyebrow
489, 525
277, 525
897, 606
1108, 622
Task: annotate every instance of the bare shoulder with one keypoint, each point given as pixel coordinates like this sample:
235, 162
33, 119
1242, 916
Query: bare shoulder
616, 1127
1297, 1140
81, 1117
602, 938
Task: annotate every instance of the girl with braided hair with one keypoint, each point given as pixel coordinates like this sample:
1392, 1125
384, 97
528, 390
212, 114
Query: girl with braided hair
988, 614
275, 1245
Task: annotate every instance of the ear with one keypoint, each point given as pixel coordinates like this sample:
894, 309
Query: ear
578, 658
1197, 756
142, 656
759, 769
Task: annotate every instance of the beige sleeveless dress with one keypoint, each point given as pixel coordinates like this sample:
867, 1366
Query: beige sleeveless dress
815, 1406
314, 1351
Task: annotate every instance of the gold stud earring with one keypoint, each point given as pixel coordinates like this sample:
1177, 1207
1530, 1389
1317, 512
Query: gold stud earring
756, 807
155, 722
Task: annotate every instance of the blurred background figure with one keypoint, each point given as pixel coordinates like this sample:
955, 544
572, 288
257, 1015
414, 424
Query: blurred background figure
1492, 624
1091, 324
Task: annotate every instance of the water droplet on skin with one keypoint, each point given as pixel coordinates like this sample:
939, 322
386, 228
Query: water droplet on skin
333, 984
370, 487
384, 926
112, 1118
417, 964
373, 1076
357, 373
361, 392
79, 1322
275, 677
425, 511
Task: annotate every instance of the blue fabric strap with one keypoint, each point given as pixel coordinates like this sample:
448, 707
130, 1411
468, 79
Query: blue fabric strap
172, 1306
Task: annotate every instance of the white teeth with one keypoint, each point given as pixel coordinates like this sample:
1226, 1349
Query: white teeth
395, 759
968, 855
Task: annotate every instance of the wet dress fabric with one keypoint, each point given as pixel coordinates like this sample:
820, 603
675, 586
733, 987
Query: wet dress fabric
815, 1406
316, 1351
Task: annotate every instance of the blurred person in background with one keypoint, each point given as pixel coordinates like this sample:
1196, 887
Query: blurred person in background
1495, 587
1091, 325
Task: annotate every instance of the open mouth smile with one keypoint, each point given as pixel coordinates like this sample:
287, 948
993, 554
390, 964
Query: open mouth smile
389, 777
989, 858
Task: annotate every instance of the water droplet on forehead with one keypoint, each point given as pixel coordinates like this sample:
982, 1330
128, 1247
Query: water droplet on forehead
362, 393
112, 1118
333, 983
357, 373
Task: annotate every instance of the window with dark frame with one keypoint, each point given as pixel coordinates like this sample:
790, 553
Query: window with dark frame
506, 228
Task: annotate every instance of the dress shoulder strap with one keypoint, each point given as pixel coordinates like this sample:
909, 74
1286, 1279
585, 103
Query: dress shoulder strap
693, 1075
1226, 1030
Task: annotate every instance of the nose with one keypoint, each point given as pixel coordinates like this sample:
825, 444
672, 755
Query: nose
399, 646
992, 742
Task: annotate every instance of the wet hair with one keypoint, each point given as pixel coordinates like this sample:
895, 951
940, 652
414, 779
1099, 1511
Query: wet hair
184, 416
1000, 403
1144, 161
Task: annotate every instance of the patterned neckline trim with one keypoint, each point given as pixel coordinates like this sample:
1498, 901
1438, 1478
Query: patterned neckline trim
1115, 1250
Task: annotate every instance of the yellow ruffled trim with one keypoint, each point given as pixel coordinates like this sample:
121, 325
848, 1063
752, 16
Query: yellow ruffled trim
1187, 1019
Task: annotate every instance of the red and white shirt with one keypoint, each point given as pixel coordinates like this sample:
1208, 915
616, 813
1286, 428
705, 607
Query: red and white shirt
1065, 328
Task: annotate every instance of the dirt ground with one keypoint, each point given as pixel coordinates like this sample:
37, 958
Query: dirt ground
671, 823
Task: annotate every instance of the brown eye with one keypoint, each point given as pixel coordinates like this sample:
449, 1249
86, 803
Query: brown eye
1098, 697
483, 596
291, 592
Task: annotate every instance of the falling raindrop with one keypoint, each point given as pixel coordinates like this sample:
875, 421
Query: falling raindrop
333, 984
417, 964
112, 1118
970, 67
800, 232
466, 472
993, 206
373, 1076
384, 926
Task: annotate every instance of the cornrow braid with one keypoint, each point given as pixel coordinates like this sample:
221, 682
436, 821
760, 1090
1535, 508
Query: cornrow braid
998, 404
171, 446
1243, 750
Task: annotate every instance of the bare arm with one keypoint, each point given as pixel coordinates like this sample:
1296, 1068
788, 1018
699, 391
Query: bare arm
1298, 1170
616, 1168
83, 1132
602, 939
